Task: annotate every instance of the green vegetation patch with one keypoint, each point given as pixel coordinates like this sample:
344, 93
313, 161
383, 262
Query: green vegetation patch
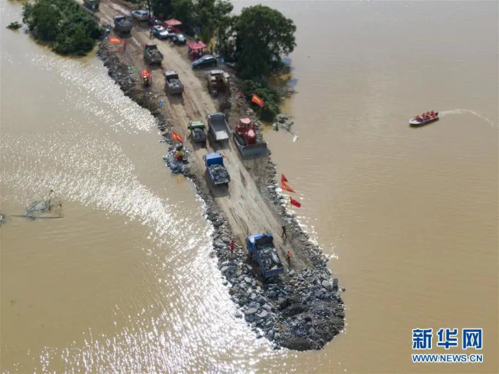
65, 24
14, 26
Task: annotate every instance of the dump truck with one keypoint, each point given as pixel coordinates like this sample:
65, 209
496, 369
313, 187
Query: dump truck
218, 129
246, 140
92, 4
218, 81
261, 248
173, 84
122, 25
198, 132
216, 170
152, 55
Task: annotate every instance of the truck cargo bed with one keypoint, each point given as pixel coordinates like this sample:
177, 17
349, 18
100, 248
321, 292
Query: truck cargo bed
218, 126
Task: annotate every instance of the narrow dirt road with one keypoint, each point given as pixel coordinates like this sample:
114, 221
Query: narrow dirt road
242, 203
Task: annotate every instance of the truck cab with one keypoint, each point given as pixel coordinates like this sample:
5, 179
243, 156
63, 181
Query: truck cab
198, 132
92, 4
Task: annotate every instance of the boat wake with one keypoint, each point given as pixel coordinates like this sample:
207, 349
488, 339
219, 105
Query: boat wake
463, 111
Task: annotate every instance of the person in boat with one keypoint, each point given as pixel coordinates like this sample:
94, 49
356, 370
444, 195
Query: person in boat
427, 114
432, 114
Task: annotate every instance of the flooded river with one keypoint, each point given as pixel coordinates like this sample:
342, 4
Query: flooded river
124, 283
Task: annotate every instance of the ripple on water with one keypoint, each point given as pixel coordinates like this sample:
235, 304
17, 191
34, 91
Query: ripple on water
188, 326
89, 87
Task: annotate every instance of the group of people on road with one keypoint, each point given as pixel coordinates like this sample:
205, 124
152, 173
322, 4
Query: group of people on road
425, 116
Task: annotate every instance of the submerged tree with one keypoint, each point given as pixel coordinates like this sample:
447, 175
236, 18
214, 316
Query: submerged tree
263, 35
42, 19
71, 29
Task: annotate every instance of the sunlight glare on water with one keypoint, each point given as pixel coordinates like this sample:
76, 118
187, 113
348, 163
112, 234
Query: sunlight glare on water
80, 137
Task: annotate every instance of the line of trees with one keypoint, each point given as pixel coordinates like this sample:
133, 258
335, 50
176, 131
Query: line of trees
255, 40
64, 24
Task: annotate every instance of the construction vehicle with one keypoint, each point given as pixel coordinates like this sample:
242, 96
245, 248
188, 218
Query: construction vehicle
218, 129
122, 25
92, 4
198, 133
146, 78
152, 55
216, 170
246, 140
218, 81
261, 247
173, 83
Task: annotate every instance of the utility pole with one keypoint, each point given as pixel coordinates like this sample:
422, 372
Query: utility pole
149, 4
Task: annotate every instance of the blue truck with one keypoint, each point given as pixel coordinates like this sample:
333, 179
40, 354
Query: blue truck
261, 247
216, 170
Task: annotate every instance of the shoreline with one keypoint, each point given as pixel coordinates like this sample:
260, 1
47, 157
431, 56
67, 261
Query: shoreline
300, 310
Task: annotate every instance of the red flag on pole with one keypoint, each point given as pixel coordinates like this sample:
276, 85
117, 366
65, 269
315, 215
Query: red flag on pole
114, 40
177, 137
285, 187
257, 100
283, 178
294, 202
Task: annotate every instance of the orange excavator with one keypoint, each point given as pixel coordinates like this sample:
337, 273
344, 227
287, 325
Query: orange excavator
146, 77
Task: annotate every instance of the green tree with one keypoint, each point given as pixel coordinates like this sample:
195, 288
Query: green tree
42, 19
263, 35
82, 42
164, 7
270, 97
226, 38
64, 22
184, 11
211, 14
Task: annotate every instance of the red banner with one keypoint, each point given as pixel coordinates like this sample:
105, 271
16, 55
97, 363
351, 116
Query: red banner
294, 202
283, 178
257, 100
285, 187
177, 137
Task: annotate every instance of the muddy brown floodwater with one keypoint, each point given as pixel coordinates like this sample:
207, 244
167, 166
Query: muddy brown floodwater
124, 283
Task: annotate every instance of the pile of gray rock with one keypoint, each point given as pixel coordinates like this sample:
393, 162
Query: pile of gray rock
219, 173
124, 75
282, 121
177, 167
269, 257
175, 84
